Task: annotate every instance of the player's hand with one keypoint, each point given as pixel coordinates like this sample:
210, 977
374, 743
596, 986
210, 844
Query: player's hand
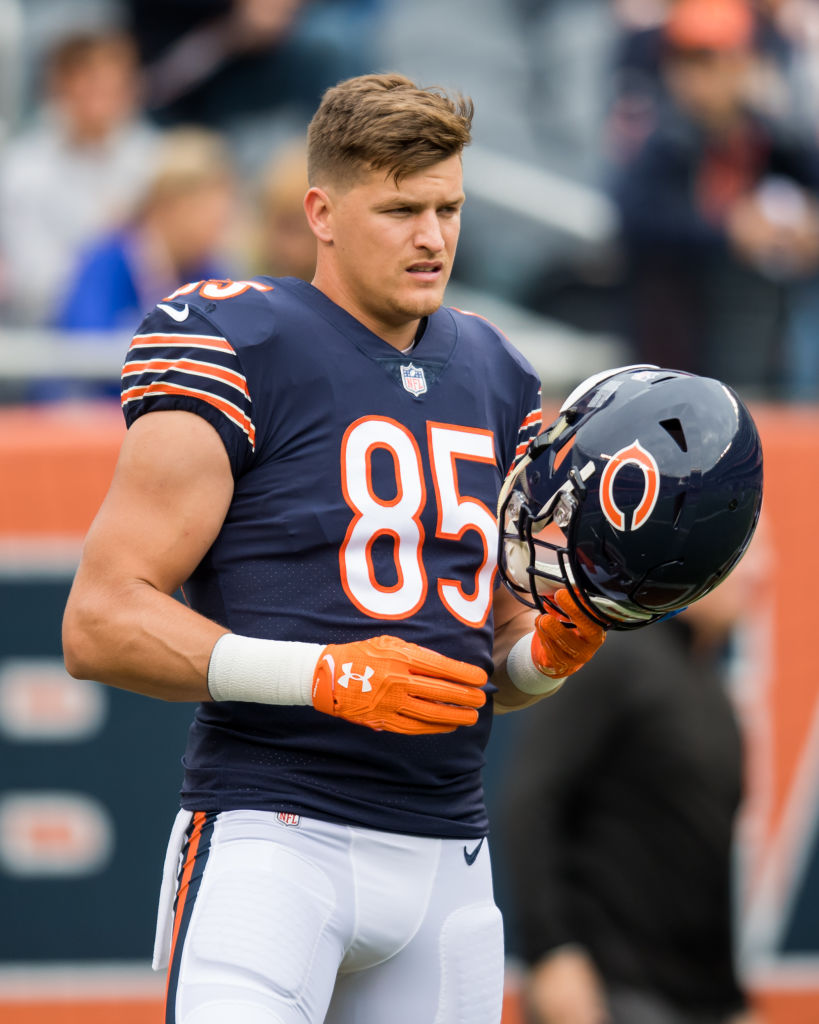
566, 988
561, 646
387, 683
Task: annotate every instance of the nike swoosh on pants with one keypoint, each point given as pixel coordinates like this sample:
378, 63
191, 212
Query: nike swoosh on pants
471, 857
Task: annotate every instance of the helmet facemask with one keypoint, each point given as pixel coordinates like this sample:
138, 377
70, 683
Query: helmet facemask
536, 542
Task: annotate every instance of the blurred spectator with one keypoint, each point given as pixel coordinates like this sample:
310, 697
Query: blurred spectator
74, 172
175, 235
617, 827
284, 245
637, 83
212, 61
719, 213
639, 90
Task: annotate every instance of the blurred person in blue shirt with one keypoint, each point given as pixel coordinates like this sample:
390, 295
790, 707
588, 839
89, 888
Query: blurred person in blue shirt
175, 234
73, 172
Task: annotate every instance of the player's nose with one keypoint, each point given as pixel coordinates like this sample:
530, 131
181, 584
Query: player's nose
428, 234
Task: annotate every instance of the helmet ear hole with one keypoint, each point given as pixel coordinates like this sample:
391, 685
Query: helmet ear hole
674, 429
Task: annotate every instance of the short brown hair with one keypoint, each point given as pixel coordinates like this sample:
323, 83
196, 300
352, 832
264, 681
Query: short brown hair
187, 158
384, 122
74, 52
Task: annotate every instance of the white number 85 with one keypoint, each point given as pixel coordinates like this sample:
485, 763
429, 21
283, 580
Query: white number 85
400, 518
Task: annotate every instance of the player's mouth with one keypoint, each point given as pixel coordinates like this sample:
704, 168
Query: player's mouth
426, 271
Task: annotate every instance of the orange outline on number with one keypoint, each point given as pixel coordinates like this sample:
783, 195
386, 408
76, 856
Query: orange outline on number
215, 287
459, 500
358, 515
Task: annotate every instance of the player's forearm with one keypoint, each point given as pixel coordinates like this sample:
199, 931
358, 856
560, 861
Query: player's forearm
160, 648
136, 638
563, 640
510, 698
507, 634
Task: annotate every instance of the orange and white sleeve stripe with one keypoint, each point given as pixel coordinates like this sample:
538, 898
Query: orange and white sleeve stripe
529, 428
162, 368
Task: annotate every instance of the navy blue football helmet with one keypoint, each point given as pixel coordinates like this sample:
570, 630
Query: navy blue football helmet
640, 497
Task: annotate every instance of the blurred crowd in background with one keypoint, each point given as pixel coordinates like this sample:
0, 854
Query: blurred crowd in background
645, 170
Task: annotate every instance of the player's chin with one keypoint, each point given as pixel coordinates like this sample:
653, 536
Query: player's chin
423, 301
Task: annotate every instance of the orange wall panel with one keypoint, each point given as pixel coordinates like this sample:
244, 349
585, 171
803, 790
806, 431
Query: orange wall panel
55, 467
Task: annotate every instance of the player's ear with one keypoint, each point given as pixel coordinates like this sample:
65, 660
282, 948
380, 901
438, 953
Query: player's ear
318, 207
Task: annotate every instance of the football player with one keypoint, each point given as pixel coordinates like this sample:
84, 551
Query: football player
318, 466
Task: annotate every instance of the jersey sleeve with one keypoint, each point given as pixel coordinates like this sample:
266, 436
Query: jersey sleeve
190, 365
531, 423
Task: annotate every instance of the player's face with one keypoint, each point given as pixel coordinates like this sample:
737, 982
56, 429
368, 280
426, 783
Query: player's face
392, 247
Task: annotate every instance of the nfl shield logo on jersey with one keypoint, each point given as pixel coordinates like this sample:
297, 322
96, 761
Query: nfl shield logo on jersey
413, 379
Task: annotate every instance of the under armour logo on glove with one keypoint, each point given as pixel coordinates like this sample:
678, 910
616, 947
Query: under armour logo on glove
347, 674
401, 687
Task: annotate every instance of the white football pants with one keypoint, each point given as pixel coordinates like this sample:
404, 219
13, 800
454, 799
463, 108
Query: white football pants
287, 920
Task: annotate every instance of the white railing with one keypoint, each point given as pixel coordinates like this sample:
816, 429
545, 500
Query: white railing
560, 354
33, 354
555, 202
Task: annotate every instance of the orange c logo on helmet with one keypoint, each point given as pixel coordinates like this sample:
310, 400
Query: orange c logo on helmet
638, 456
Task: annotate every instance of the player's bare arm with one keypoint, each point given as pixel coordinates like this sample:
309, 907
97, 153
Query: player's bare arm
165, 506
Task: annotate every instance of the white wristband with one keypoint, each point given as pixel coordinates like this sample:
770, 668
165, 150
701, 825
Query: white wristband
525, 674
263, 671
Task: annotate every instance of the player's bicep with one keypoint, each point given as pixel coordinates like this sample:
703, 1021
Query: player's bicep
167, 501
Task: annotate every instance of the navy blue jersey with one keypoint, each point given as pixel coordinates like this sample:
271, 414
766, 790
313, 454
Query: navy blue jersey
366, 483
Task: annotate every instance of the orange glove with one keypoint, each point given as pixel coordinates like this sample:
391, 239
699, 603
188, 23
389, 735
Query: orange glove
562, 646
387, 683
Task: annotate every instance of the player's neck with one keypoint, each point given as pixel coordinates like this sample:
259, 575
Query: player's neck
400, 336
